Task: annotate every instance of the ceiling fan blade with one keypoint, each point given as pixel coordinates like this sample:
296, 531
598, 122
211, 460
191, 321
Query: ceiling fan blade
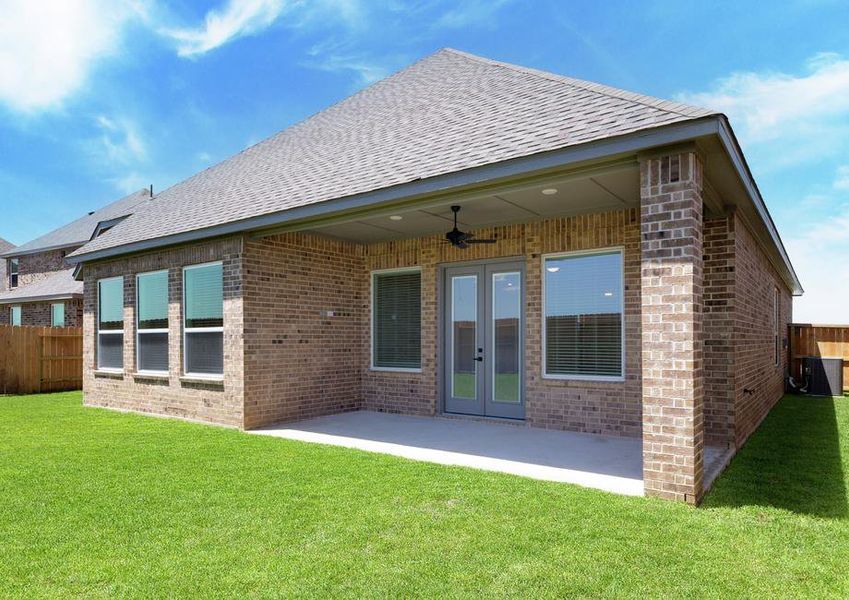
481, 241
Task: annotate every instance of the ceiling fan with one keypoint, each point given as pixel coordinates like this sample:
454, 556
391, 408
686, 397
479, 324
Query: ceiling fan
460, 239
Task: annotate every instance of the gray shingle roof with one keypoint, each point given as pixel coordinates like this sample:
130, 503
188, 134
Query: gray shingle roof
78, 232
5, 246
59, 284
448, 112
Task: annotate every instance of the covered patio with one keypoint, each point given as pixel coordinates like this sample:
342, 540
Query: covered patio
609, 463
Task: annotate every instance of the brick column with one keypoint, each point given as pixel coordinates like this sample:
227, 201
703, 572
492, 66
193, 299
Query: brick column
672, 354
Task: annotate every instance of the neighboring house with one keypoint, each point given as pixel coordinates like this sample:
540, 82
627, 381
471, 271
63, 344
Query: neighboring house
636, 285
4, 280
40, 289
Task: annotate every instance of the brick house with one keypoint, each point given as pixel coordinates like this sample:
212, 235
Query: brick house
624, 276
39, 288
5, 246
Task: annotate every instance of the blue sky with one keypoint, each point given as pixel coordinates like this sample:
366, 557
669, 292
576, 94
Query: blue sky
99, 98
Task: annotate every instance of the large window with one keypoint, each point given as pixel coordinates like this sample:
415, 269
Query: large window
396, 320
583, 327
203, 313
57, 314
15, 316
110, 323
13, 272
152, 322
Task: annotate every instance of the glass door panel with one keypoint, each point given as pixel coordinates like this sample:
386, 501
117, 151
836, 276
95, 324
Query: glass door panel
506, 347
464, 327
464, 310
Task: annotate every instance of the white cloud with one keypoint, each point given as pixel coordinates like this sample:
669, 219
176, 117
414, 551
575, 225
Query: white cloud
129, 183
120, 141
336, 58
471, 13
48, 48
785, 119
819, 256
841, 182
239, 18
770, 106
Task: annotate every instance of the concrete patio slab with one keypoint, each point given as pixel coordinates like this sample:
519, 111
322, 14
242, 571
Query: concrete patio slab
608, 463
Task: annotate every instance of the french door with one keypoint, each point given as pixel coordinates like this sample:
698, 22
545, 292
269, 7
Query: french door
483, 357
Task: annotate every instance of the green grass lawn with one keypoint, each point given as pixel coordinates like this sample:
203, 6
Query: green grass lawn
97, 503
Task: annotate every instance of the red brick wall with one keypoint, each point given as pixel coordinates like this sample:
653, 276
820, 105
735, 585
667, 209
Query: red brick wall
35, 267
719, 307
302, 361
39, 314
598, 407
756, 281
173, 394
672, 327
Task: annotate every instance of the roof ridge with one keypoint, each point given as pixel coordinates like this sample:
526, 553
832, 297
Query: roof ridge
600, 88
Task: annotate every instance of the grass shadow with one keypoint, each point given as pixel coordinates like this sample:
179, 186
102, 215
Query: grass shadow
794, 461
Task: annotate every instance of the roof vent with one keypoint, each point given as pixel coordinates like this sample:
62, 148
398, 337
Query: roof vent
91, 212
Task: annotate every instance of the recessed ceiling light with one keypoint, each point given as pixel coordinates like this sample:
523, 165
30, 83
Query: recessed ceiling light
549, 191
395, 218
552, 269
608, 294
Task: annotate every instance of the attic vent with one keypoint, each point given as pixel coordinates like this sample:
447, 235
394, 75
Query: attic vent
91, 212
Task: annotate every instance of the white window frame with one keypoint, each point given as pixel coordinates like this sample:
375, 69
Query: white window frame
53, 306
140, 331
17, 272
12, 315
109, 331
578, 253
373, 279
186, 330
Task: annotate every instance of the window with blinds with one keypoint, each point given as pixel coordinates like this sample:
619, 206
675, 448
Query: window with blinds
13, 272
203, 315
57, 314
152, 322
15, 316
396, 320
110, 323
584, 315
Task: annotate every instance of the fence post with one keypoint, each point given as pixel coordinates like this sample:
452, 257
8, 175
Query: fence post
39, 355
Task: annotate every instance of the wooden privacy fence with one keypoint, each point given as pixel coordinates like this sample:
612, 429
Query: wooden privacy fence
40, 359
825, 341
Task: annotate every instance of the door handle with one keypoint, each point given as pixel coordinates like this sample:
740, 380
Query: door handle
479, 358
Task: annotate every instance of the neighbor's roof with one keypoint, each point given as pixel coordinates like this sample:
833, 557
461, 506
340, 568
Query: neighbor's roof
449, 112
57, 285
5, 246
78, 232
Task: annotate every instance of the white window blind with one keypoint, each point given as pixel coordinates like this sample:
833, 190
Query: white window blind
110, 323
203, 299
396, 320
15, 316
584, 315
152, 315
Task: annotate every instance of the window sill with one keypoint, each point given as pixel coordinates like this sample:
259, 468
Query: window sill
394, 370
160, 376
109, 373
584, 378
216, 380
